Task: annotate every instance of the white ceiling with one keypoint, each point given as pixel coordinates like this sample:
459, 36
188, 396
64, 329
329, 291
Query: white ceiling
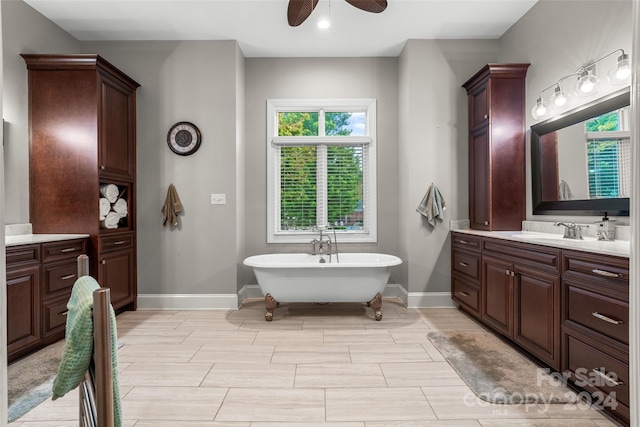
261, 29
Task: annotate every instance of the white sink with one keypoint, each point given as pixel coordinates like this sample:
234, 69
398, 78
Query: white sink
528, 235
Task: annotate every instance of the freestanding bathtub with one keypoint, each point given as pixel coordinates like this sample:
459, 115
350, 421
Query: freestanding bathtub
304, 278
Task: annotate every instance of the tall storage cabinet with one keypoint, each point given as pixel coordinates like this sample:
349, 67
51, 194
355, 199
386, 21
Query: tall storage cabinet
82, 127
497, 187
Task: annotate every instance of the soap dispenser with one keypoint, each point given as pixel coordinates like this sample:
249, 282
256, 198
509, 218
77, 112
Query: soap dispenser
606, 229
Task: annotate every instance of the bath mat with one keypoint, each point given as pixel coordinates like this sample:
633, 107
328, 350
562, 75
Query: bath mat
497, 373
30, 379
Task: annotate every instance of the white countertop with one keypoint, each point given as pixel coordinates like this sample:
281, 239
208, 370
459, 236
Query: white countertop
26, 239
619, 248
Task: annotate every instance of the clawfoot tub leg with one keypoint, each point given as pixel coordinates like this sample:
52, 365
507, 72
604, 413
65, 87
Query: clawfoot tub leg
270, 304
376, 304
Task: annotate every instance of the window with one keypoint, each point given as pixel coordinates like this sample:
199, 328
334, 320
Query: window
609, 155
321, 169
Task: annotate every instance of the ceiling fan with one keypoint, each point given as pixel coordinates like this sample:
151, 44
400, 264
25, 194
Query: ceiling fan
299, 10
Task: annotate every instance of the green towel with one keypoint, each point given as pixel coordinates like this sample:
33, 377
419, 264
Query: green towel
79, 344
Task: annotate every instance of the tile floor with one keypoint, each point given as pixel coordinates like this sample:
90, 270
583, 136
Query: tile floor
313, 365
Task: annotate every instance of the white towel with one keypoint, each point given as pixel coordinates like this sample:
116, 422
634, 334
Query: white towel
110, 192
120, 207
105, 207
432, 205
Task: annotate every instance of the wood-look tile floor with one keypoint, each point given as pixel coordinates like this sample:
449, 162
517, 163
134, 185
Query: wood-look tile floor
313, 365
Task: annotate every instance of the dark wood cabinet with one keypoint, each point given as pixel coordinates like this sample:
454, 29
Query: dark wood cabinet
82, 119
497, 188
23, 310
465, 272
567, 309
39, 282
595, 328
497, 294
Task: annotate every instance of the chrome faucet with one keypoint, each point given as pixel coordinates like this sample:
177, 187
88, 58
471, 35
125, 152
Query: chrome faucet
318, 245
571, 231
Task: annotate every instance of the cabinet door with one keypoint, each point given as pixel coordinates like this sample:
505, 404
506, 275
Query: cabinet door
478, 106
497, 295
23, 308
479, 189
116, 135
537, 314
116, 272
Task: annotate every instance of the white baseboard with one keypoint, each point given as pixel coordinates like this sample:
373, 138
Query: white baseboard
188, 301
429, 300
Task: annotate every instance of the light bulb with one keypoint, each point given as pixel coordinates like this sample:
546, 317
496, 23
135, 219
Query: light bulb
622, 71
560, 98
588, 83
324, 23
540, 110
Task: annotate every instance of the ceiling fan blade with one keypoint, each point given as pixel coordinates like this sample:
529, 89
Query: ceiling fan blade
299, 10
374, 6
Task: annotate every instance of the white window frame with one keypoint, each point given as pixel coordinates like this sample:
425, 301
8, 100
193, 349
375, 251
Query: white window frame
275, 106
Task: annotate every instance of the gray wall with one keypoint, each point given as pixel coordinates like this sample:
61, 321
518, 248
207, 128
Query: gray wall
25, 31
196, 81
321, 78
557, 37
433, 142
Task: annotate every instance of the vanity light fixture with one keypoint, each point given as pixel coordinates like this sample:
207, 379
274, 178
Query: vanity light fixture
587, 84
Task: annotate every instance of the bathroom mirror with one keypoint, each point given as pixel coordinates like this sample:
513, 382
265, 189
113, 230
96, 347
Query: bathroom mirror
580, 160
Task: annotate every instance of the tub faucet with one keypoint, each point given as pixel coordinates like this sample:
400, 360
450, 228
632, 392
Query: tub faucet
571, 231
318, 245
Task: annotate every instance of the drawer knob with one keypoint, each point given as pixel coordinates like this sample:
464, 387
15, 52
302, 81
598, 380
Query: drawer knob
606, 273
463, 242
67, 277
606, 318
608, 380
464, 264
63, 313
462, 294
65, 250
486, 116
119, 242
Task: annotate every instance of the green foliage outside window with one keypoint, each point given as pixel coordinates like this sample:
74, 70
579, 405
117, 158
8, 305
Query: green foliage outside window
298, 167
602, 157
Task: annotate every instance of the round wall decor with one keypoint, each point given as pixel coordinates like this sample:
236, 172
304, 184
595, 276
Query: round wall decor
184, 138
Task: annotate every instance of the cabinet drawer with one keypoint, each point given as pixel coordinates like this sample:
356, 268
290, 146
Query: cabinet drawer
598, 267
59, 277
22, 255
465, 293
55, 315
600, 313
546, 258
63, 250
466, 241
466, 263
116, 242
594, 369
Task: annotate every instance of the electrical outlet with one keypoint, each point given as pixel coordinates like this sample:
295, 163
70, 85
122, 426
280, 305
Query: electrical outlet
218, 199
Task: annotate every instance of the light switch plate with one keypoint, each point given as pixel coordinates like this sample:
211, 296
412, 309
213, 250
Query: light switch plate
218, 199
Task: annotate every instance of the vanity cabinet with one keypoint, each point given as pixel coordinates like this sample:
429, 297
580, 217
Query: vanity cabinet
595, 327
39, 282
23, 299
497, 118
82, 127
465, 272
520, 294
567, 309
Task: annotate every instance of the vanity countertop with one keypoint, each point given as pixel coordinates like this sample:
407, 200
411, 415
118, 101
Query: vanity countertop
619, 248
27, 239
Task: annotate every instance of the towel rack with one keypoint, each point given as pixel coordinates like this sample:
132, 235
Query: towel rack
96, 391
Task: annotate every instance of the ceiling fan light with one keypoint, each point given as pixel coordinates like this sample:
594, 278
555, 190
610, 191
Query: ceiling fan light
622, 71
324, 24
540, 110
